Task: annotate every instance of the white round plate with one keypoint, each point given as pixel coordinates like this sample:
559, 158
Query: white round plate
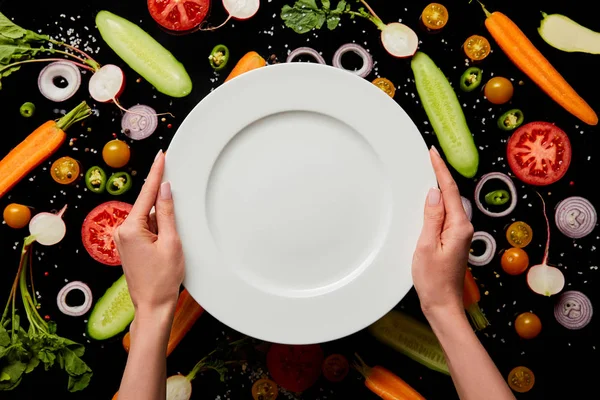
299, 191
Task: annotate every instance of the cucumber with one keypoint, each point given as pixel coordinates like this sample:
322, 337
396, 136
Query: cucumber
567, 35
112, 313
144, 55
446, 115
411, 338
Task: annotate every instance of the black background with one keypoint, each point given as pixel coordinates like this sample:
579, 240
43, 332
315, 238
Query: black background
564, 362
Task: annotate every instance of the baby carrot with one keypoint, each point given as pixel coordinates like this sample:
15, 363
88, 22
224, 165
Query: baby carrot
386, 384
187, 312
251, 60
471, 297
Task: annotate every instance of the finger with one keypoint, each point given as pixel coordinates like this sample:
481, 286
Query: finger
433, 222
145, 201
165, 212
451, 195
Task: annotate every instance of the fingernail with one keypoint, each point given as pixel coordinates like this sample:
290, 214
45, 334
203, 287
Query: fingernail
433, 197
158, 154
165, 191
433, 148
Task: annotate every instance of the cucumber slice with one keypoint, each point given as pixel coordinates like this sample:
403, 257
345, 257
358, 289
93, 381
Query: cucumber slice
144, 55
411, 338
112, 313
446, 115
567, 35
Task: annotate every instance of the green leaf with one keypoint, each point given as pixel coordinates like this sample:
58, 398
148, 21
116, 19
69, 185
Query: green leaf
46, 356
11, 31
77, 383
304, 16
326, 4
73, 364
4, 376
4, 337
14, 371
32, 364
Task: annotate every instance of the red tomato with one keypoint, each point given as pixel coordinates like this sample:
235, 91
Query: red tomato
335, 368
179, 15
98, 228
539, 153
295, 367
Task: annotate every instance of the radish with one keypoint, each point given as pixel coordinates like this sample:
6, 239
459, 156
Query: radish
107, 84
179, 387
47, 228
399, 40
542, 278
237, 9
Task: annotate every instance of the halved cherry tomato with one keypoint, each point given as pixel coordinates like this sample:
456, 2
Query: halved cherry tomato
519, 234
498, 90
528, 325
514, 261
386, 85
98, 228
16, 216
539, 153
65, 170
116, 153
521, 379
264, 389
295, 367
178, 15
476, 47
127, 342
335, 368
435, 16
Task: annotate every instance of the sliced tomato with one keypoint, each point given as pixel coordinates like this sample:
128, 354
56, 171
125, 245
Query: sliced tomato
97, 231
295, 367
179, 15
539, 153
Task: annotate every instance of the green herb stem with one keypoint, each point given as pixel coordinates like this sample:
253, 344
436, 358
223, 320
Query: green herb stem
88, 59
370, 9
44, 60
81, 112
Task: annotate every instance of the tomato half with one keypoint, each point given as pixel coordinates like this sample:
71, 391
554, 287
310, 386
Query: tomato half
65, 170
295, 367
178, 15
264, 389
476, 47
435, 16
514, 261
335, 368
386, 85
539, 153
528, 325
98, 228
521, 379
519, 234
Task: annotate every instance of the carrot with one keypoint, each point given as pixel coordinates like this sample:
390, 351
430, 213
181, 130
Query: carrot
385, 384
251, 60
187, 313
37, 147
528, 59
471, 297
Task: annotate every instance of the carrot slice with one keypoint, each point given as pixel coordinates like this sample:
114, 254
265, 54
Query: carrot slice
251, 60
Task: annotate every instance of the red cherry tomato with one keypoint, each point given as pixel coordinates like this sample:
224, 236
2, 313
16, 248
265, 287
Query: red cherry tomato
178, 15
335, 368
98, 228
295, 367
514, 261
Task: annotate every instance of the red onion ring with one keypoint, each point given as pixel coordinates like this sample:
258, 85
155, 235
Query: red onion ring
74, 311
488, 254
308, 51
139, 122
511, 186
573, 310
575, 217
367, 66
467, 206
64, 69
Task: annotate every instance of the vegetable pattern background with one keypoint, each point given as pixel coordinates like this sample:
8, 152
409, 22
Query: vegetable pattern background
556, 356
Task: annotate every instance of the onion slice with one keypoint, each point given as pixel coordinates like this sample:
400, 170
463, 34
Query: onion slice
467, 206
48, 229
575, 217
139, 122
60, 69
511, 186
399, 40
367, 66
107, 83
74, 311
488, 254
241, 9
573, 310
308, 51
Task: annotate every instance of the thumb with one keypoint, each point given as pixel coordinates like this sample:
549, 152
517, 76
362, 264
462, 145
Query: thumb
434, 219
165, 212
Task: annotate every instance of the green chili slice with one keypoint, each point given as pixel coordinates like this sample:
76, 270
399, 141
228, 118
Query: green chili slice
497, 197
95, 179
511, 119
118, 183
470, 79
218, 57
27, 109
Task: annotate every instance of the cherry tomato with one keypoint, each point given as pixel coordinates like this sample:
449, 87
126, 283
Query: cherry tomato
65, 170
519, 234
386, 85
295, 367
514, 261
435, 16
335, 368
521, 379
264, 389
178, 15
16, 216
127, 342
116, 153
476, 47
98, 228
539, 153
498, 90
528, 325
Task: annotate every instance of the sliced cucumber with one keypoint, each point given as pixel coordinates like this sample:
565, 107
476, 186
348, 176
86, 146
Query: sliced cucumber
144, 55
567, 35
112, 313
446, 115
411, 338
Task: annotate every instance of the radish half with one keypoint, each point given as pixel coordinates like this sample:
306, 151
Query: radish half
48, 229
179, 387
107, 83
399, 40
241, 9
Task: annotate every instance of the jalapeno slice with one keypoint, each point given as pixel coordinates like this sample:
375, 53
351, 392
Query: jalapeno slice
218, 57
95, 179
27, 109
118, 183
470, 79
511, 119
497, 197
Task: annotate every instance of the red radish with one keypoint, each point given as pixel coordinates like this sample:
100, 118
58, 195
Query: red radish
179, 387
47, 228
107, 84
237, 9
399, 40
544, 279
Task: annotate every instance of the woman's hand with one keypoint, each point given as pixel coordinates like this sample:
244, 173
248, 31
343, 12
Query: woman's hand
150, 248
440, 259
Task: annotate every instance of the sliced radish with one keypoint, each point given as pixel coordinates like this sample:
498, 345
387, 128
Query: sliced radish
47, 228
139, 122
74, 311
179, 387
241, 9
59, 81
107, 83
399, 40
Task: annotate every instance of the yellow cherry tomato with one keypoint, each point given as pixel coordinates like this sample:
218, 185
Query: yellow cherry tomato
528, 325
498, 90
521, 379
264, 389
16, 216
65, 170
116, 153
126, 342
519, 234
386, 85
435, 16
477, 47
